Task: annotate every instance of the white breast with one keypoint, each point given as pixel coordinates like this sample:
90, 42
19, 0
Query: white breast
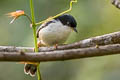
54, 33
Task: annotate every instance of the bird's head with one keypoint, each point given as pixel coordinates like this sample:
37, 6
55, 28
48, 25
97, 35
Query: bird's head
68, 20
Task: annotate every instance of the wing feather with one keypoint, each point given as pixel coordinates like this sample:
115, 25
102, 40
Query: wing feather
42, 26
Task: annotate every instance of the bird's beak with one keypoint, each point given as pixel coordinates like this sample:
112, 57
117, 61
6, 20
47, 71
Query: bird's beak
75, 30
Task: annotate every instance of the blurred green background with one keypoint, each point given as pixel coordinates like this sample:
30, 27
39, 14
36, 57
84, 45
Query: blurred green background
94, 17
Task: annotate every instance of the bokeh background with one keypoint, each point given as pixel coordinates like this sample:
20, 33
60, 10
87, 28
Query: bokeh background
94, 17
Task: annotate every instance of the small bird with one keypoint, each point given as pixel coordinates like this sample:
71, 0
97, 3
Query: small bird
116, 3
53, 32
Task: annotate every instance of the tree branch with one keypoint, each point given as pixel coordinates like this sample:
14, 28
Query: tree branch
112, 38
62, 54
107, 45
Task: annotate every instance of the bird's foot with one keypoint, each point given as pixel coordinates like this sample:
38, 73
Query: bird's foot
55, 46
97, 46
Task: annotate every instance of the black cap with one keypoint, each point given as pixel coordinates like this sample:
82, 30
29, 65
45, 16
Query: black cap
68, 20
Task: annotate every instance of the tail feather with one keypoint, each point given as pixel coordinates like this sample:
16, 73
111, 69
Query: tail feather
33, 70
30, 69
27, 68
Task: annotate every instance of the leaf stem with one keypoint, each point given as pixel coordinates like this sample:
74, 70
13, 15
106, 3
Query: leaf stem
38, 73
32, 11
28, 18
34, 34
35, 37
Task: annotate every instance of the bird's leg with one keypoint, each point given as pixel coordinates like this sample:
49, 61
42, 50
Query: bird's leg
56, 46
38, 44
97, 45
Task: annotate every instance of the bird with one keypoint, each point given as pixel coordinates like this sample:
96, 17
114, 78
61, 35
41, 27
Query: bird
53, 32
116, 3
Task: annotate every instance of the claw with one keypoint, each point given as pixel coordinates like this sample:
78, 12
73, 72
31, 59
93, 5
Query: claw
39, 44
56, 46
97, 46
